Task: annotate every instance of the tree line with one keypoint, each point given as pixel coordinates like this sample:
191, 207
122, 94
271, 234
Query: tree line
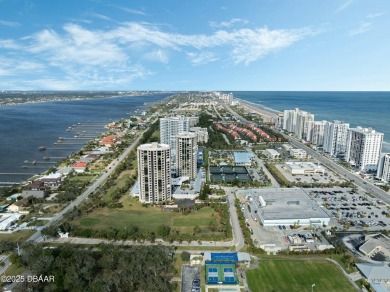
106, 268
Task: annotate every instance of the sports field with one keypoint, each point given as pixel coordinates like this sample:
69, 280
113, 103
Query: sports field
221, 273
296, 275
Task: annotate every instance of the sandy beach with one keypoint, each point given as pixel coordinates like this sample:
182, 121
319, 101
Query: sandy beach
266, 114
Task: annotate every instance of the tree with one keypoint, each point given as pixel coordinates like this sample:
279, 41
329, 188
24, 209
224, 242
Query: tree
163, 230
196, 229
213, 225
185, 256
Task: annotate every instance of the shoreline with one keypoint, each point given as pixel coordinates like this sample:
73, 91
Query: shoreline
267, 113
43, 171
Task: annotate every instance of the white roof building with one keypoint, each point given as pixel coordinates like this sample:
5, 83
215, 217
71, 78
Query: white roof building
286, 206
272, 153
375, 273
302, 168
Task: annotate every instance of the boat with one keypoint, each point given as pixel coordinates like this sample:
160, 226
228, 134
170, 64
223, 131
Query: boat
34, 162
46, 158
23, 166
41, 148
26, 161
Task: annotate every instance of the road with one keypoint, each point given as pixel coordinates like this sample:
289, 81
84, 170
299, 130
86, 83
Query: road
37, 237
368, 187
238, 237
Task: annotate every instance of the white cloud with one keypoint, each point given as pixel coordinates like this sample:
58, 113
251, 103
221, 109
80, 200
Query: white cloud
9, 23
201, 58
229, 23
100, 16
344, 5
130, 10
9, 44
364, 27
157, 55
85, 58
375, 15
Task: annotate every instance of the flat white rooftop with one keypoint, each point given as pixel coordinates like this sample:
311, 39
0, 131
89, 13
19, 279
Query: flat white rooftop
286, 204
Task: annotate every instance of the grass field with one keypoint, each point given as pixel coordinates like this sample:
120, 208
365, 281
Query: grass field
147, 219
18, 236
284, 275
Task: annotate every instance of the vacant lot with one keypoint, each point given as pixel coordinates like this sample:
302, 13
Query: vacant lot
147, 218
285, 275
18, 236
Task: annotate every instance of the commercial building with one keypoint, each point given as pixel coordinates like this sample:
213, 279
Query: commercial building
383, 172
364, 147
201, 134
286, 206
335, 138
272, 154
315, 132
154, 172
302, 168
298, 153
377, 275
186, 154
377, 245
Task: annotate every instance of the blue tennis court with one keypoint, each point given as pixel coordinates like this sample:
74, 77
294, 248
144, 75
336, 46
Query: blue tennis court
224, 256
230, 280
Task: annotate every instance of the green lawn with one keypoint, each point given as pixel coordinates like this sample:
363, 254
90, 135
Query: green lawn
284, 275
18, 236
147, 219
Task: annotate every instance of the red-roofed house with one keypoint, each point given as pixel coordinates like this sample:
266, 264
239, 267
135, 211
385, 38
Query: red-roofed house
79, 166
109, 141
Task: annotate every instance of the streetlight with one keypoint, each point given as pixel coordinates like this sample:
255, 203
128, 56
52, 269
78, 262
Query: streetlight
312, 286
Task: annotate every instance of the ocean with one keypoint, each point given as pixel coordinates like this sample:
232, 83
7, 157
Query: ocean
366, 109
26, 127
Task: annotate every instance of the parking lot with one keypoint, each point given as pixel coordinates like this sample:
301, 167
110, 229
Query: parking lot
350, 209
353, 208
189, 274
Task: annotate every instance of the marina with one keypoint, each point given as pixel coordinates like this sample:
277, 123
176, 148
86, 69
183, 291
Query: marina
54, 134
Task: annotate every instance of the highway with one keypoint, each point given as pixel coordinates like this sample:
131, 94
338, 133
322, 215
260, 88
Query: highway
37, 236
368, 187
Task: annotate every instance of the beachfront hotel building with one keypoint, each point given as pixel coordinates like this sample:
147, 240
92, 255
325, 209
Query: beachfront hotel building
335, 138
154, 172
315, 132
364, 147
297, 122
383, 172
186, 154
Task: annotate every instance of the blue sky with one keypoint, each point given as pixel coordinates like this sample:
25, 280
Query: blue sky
195, 45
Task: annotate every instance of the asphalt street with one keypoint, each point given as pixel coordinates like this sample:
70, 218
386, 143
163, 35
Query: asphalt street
37, 236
